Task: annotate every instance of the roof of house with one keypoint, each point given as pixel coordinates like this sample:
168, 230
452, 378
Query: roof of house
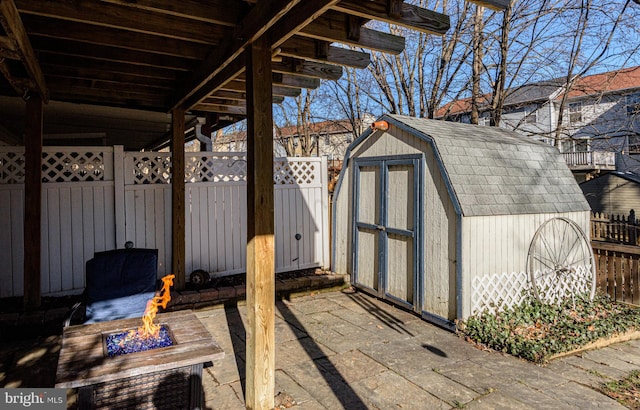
494, 171
628, 78
317, 128
624, 79
322, 127
518, 95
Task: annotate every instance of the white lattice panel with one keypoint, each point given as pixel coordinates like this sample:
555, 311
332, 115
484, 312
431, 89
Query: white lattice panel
303, 172
553, 287
495, 292
72, 166
223, 168
151, 168
156, 169
11, 167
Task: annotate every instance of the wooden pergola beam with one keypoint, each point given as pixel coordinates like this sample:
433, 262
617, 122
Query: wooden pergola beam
409, 16
290, 80
266, 17
108, 54
222, 109
315, 50
7, 49
134, 20
13, 27
202, 10
46, 27
108, 66
333, 26
307, 69
497, 5
240, 86
236, 103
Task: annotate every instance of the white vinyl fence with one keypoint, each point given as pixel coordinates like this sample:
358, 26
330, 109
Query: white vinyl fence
96, 199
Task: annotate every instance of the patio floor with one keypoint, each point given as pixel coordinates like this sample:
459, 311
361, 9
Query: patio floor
348, 350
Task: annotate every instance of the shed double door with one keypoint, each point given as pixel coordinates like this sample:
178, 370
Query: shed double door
385, 232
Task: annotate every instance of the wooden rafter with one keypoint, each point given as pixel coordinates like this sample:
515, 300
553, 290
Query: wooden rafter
493, 4
331, 27
410, 16
13, 27
307, 69
133, 20
8, 49
203, 10
159, 54
47, 27
96, 52
320, 51
211, 74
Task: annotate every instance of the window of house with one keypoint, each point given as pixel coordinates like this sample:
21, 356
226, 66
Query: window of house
575, 145
575, 112
634, 144
633, 104
531, 116
484, 119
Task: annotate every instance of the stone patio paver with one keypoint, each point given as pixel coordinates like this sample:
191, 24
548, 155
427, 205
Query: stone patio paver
575, 394
350, 351
382, 390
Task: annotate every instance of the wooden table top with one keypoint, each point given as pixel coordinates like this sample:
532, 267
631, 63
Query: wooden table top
82, 361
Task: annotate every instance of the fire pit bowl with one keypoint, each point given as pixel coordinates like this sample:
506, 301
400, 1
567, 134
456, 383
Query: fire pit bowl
167, 377
129, 341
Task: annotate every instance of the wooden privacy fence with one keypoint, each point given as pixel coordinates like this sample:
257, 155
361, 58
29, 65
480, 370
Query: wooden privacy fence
615, 228
97, 198
618, 271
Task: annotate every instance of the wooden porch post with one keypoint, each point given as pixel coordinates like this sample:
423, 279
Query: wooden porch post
32, 200
177, 198
260, 363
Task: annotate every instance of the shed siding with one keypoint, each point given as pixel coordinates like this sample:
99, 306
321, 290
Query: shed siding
342, 235
439, 233
389, 144
506, 251
438, 225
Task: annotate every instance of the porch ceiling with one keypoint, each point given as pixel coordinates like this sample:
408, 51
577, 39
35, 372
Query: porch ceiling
109, 67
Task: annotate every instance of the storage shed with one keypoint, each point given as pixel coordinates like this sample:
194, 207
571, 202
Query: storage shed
441, 217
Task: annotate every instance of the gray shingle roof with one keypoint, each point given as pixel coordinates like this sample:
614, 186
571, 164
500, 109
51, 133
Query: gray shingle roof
494, 171
529, 93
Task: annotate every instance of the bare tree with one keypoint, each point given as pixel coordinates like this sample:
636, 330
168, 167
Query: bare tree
296, 136
580, 60
476, 66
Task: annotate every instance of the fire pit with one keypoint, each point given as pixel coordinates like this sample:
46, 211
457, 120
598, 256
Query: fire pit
163, 377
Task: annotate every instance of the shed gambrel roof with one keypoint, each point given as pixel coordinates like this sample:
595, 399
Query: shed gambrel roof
493, 171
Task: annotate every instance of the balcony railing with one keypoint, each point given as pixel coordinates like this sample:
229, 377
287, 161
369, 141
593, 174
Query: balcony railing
591, 160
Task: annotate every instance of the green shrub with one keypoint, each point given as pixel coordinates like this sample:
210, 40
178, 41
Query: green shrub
536, 331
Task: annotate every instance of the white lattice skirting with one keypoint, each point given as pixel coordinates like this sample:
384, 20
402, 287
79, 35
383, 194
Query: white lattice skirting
497, 291
553, 287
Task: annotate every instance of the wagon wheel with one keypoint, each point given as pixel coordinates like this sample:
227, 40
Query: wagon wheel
560, 262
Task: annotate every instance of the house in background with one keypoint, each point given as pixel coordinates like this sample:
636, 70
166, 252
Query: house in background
601, 121
614, 193
325, 138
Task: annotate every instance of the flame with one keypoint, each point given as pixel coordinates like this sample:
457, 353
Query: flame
148, 328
